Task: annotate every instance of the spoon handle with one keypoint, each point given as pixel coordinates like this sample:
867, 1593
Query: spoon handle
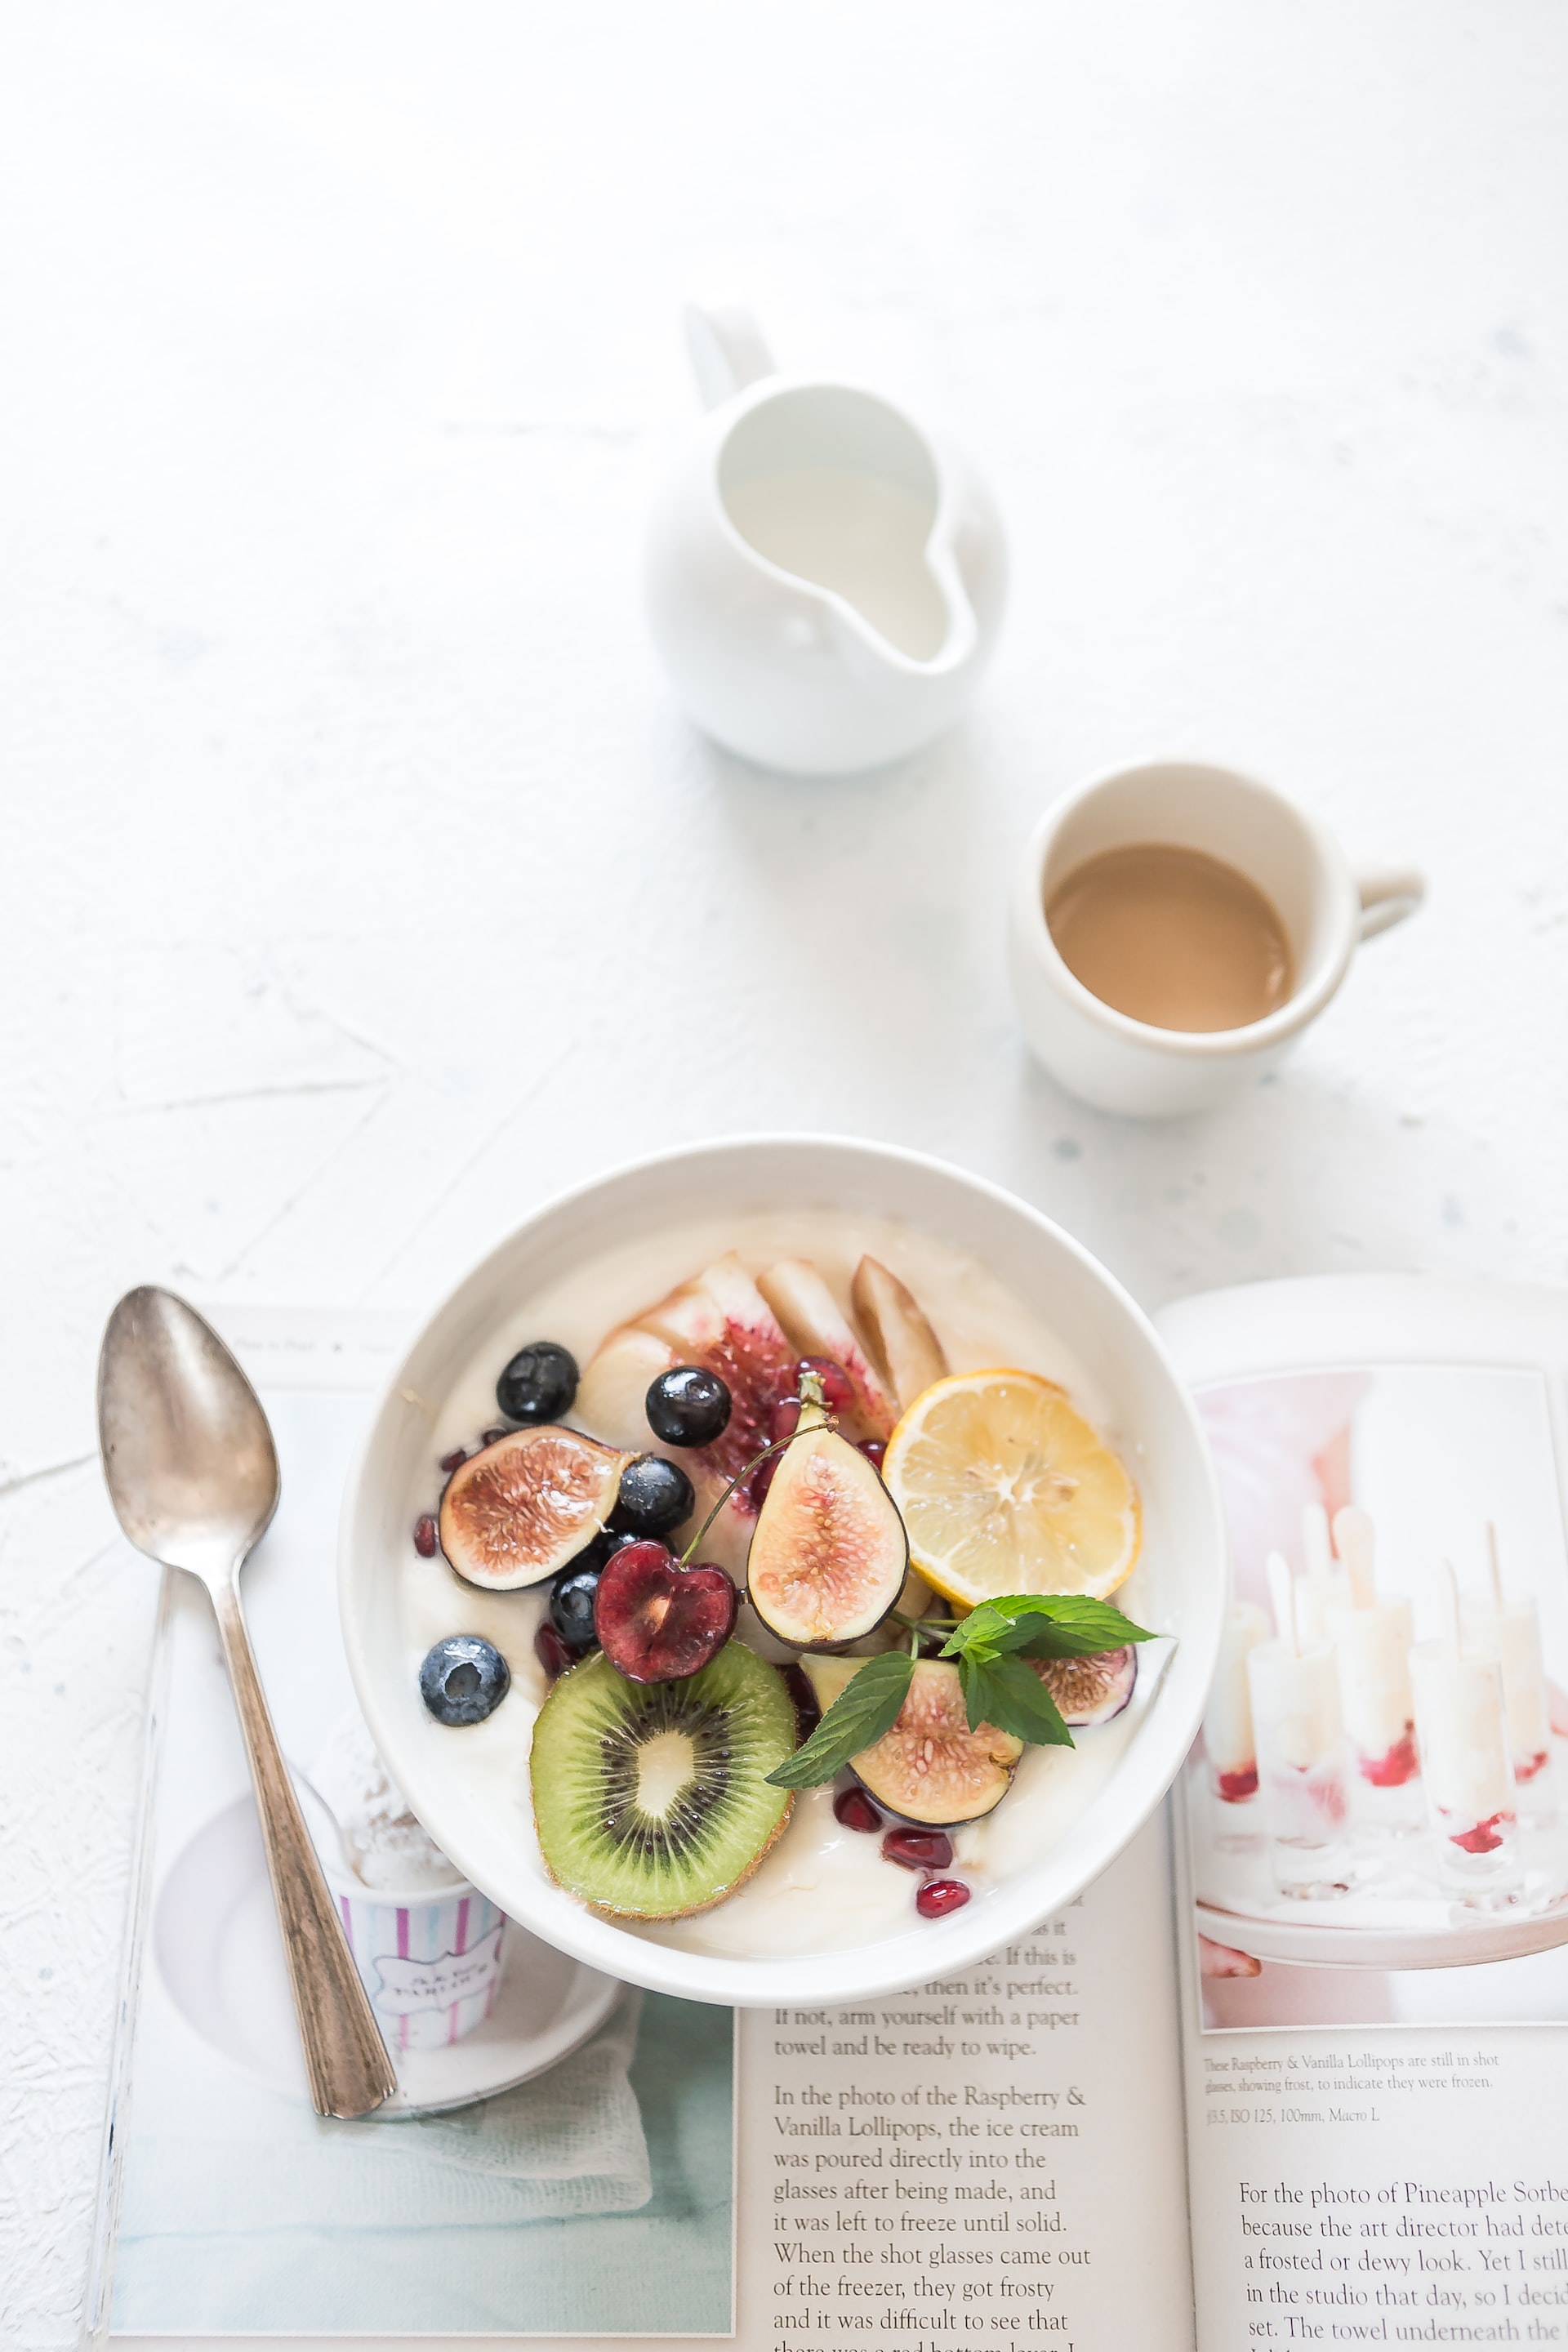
346, 2057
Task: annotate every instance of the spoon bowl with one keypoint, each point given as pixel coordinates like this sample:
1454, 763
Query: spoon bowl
188, 1457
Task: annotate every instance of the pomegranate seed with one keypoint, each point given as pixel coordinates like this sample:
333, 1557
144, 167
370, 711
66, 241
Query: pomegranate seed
938, 1896
490, 1435
875, 1453
837, 1390
761, 1478
425, 1537
453, 1461
551, 1650
782, 1419
919, 1849
854, 1808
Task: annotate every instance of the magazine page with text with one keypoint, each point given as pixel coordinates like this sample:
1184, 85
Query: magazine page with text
991, 2159
1372, 1833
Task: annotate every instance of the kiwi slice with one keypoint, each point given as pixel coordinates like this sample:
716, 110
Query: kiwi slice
651, 1798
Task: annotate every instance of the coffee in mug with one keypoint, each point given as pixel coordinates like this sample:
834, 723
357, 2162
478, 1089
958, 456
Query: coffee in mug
1173, 937
1174, 928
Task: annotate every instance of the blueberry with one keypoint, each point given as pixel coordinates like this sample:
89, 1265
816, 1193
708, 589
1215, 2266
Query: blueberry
571, 1602
688, 1406
655, 1497
539, 1383
464, 1679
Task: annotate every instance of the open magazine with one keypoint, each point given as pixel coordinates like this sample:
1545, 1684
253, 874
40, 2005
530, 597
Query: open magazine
1294, 2072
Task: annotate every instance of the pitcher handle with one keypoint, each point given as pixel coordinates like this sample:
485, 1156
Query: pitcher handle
1387, 895
726, 349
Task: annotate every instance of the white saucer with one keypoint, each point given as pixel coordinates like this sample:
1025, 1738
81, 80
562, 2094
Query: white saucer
1464, 1943
215, 1936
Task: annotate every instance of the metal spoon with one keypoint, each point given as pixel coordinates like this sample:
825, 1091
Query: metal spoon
193, 1476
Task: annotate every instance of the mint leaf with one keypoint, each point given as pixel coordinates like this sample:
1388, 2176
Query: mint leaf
1042, 1625
1078, 1627
863, 1711
1007, 1693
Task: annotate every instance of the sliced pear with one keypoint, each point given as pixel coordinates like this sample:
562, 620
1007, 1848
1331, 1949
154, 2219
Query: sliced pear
830, 1677
829, 1555
612, 1395
906, 1349
818, 1326
930, 1768
720, 1311
719, 1319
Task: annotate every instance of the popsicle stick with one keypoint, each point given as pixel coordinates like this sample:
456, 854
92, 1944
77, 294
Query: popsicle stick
1315, 1542
1456, 1623
1355, 1537
1496, 1569
1282, 1592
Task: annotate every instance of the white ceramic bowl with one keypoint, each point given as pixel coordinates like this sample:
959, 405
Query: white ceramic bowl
1178, 1586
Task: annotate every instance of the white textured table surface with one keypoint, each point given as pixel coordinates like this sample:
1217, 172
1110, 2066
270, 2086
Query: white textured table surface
363, 884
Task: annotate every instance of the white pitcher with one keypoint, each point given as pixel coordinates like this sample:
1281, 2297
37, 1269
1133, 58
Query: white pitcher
825, 579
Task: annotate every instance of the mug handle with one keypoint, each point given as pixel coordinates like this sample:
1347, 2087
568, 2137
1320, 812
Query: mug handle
725, 346
1387, 895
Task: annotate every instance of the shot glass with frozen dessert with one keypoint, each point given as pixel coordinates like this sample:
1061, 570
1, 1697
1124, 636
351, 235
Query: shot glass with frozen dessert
1508, 1624
1326, 1583
1462, 1731
1371, 1638
1229, 1742
1295, 1696
427, 1945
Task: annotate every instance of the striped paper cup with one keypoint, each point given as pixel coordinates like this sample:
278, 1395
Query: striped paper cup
430, 1962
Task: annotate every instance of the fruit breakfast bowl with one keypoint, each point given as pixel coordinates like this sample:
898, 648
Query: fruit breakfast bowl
533, 1695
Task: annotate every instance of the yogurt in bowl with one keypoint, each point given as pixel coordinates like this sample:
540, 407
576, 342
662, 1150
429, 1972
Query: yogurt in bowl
825, 1917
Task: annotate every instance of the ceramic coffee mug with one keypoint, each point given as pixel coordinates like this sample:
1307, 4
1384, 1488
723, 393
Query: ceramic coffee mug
1119, 1063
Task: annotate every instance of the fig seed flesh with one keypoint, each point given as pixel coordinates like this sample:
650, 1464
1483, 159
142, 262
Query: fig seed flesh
931, 1768
518, 1511
1089, 1690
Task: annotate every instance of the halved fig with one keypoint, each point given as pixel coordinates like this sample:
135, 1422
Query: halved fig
817, 1324
930, 1768
1089, 1690
829, 1555
720, 1320
902, 1344
518, 1511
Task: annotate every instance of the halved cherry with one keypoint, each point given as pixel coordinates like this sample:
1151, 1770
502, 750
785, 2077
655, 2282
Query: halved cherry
658, 1622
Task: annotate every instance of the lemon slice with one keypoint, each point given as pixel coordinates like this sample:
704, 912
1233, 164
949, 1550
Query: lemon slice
1004, 1488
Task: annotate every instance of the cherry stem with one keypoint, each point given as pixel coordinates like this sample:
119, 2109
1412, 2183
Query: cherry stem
810, 1393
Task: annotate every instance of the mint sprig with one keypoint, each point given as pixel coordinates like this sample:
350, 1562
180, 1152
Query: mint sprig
1011, 1696
867, 1707
1041, 1625
991, 1646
